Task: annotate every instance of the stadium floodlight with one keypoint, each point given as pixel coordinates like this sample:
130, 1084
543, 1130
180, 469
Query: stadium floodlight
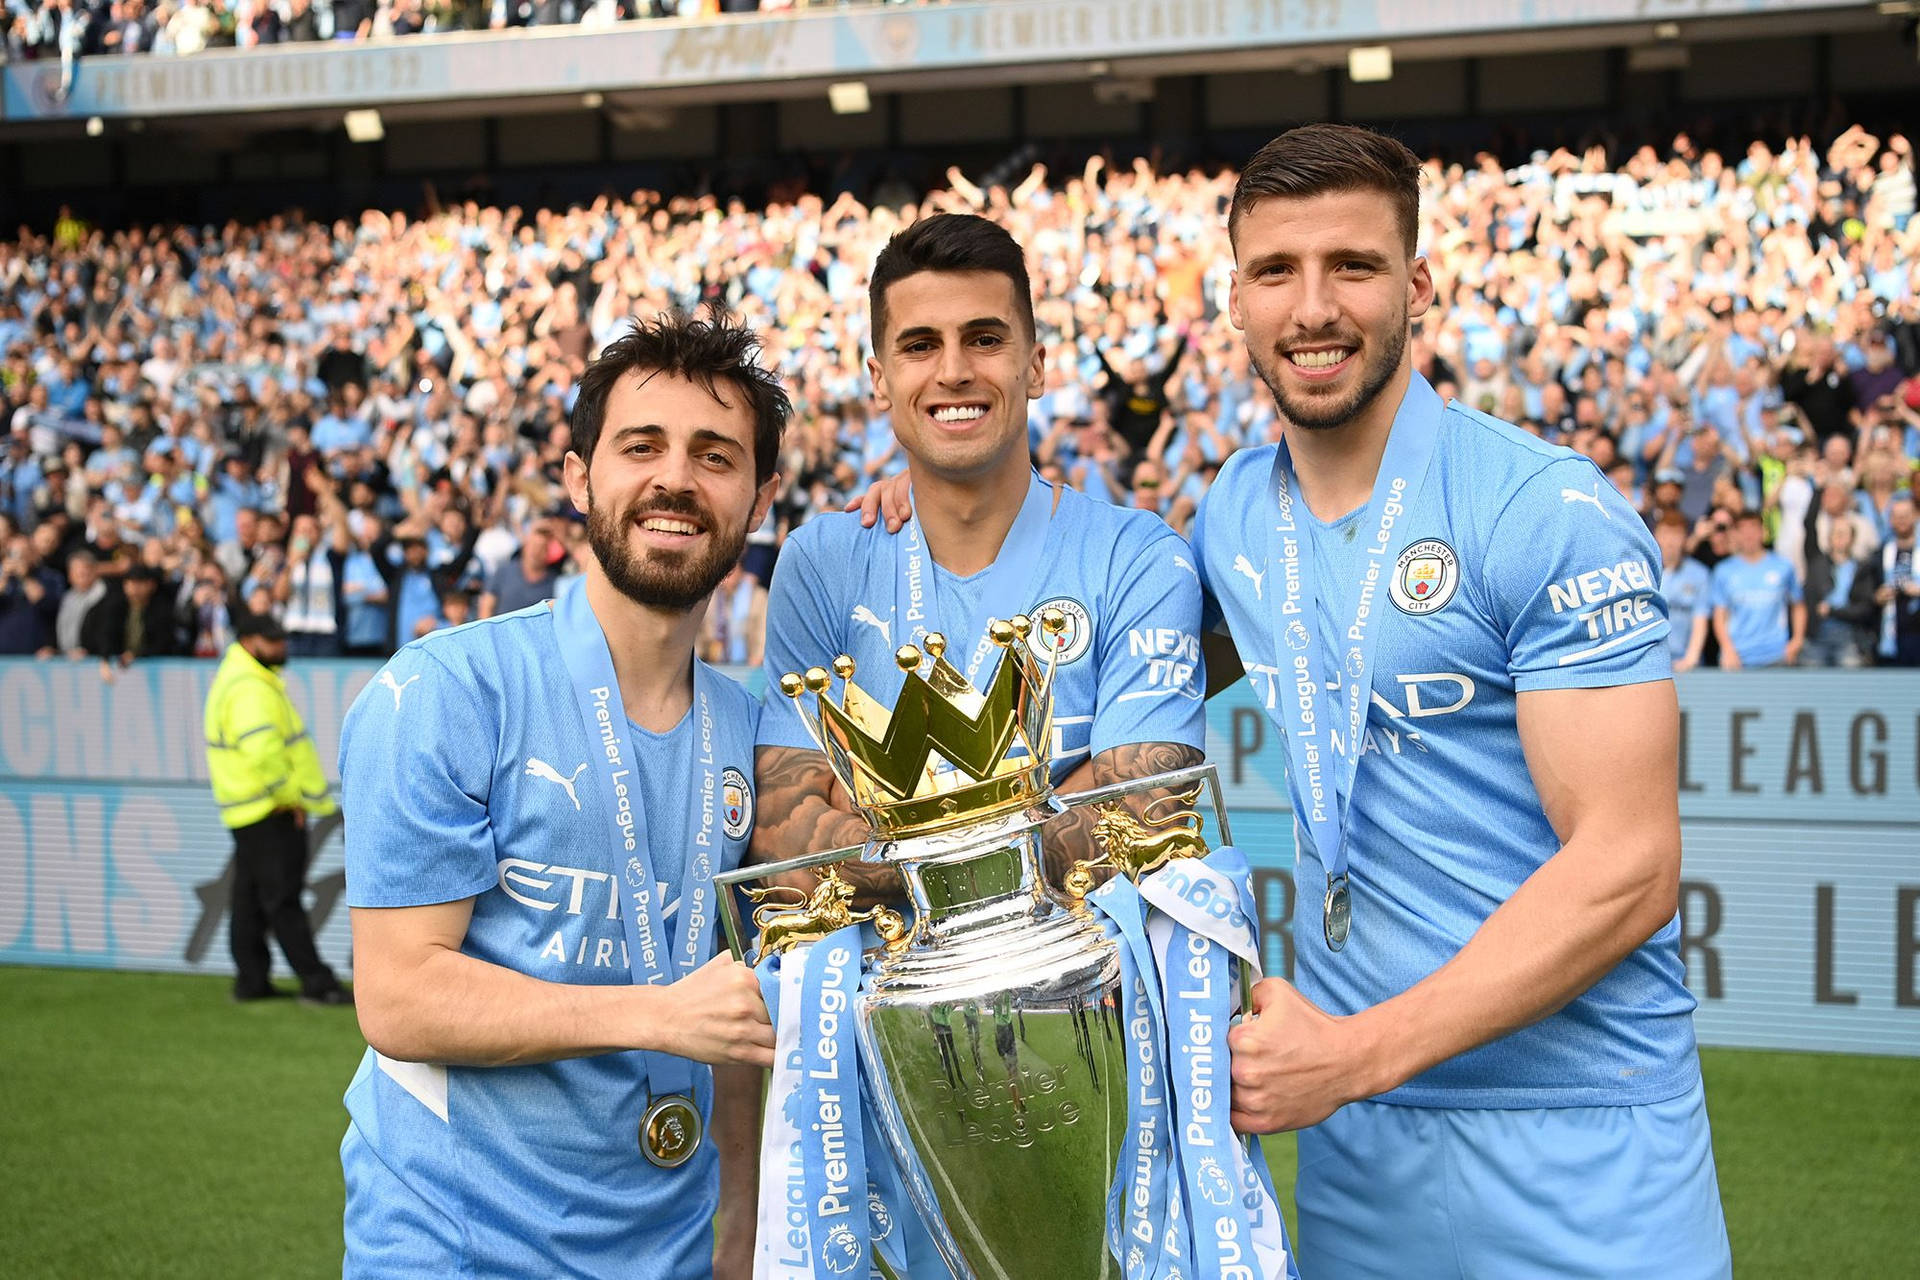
365, 126
1370, 63
849, 98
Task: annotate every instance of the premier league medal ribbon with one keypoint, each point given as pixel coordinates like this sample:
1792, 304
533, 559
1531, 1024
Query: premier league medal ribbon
1201, 929
1141, 1229
671, 1129
1321, 769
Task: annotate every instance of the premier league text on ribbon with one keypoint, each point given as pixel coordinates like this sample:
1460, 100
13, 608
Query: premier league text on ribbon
1199, 1046
829, 1121
641, 885
1305, 684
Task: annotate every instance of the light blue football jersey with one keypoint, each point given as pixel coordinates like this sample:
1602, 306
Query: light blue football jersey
1756, 597
1523, 569
1687, 589
1129, 663
465, 773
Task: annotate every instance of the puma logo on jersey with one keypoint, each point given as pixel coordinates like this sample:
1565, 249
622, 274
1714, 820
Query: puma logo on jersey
1242, 565
1574, 495
868, 617
541, 769
386, 681
1180, 562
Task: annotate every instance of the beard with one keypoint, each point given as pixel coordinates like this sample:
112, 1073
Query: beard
1323, 413
671, 580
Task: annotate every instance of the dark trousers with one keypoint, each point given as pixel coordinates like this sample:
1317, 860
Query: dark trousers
269, 871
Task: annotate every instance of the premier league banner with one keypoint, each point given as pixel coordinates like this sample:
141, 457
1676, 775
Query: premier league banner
1800, 794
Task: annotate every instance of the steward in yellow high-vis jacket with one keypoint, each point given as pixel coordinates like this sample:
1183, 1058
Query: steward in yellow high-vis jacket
266, 779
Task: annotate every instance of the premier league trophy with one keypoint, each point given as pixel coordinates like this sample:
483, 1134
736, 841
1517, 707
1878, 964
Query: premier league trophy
997, 1039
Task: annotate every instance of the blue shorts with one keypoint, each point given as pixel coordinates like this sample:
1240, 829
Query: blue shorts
1422, 1193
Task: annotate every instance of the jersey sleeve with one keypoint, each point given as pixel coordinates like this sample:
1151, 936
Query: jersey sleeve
801, 632
1150, 678
416, 772
1571, 576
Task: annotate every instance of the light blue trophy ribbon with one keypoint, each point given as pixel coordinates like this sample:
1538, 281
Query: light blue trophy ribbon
782, 1245
1321, 780
1143, 1228
655, 958
832, 1131
1007, 591
1202, 927
813, 1140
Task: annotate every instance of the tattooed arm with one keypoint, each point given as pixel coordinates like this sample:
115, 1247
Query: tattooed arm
1070, 836
801, 809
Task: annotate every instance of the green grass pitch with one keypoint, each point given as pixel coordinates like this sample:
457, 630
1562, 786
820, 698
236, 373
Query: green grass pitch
153, 1129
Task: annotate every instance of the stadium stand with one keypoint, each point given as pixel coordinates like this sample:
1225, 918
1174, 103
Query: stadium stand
65, 29
360, 424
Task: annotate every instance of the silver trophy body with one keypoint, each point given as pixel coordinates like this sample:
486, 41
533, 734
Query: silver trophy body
995, 1056
994, 1042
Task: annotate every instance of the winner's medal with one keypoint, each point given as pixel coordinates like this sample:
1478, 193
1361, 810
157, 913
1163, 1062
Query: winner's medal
1337, 918
671, 1128
1323, 745
670, 1131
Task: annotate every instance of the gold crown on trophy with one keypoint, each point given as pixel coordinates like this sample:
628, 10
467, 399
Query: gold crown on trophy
947, 754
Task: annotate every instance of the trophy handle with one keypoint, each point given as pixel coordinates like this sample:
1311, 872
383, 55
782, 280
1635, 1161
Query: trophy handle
729, 902
1177, 782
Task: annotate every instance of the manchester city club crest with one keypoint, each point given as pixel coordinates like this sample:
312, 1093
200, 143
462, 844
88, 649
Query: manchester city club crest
1425, 577
736, 803
1078, 637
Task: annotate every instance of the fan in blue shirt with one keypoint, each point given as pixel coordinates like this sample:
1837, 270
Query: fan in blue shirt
1687, 588
1758, 614
536, 807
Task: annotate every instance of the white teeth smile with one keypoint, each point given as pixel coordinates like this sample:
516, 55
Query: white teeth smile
1319, 359
663, 524
960, 413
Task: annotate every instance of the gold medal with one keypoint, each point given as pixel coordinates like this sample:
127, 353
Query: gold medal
670, 1131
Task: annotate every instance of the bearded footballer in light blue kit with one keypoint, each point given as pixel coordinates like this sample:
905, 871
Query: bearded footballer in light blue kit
955, 363
536, 807
1459, 631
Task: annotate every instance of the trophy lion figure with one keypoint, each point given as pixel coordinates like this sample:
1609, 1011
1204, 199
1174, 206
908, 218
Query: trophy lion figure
812, 916
1137, 846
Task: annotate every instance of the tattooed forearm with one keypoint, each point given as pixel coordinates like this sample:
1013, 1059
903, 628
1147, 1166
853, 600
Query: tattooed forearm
1070, 836
796, 813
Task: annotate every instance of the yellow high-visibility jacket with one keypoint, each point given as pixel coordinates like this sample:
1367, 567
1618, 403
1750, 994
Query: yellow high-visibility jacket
259, 757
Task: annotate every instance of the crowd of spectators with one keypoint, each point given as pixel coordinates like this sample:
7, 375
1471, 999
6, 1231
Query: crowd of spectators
84, 28
360, 426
